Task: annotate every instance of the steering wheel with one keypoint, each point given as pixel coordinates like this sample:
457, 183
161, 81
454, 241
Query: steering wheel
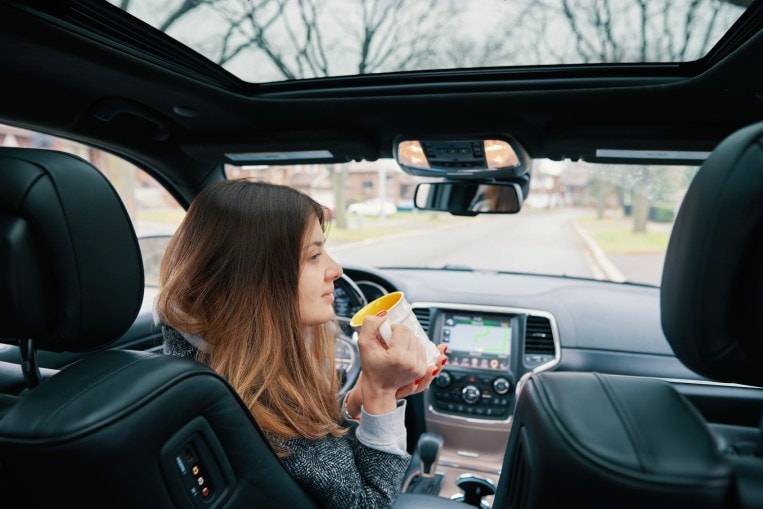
347, 358
348, 300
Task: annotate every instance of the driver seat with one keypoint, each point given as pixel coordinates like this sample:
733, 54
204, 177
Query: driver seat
118, 428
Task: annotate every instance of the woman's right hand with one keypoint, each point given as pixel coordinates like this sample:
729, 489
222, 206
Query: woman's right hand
386, 368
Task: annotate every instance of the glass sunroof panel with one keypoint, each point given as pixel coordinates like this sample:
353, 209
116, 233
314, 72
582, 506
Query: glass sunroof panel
278, 40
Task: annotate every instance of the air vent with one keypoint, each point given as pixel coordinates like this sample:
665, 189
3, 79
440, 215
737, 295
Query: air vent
539, 339
423, 315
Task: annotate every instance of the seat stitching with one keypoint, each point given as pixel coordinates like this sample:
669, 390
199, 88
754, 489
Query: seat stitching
640, 446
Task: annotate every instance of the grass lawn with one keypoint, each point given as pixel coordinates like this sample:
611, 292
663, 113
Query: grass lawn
616, 235
359, 229
357, 234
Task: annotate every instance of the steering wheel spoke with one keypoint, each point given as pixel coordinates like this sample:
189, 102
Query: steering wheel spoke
347, 354
347, 361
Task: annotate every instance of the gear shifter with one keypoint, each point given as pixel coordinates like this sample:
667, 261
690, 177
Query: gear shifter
425, 478
429, 452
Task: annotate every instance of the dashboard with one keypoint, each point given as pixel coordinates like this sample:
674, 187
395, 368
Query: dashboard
489, 347
590, 325
501, 328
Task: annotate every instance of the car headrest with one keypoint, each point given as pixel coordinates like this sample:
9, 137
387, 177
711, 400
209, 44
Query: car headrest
712, 281
71, 274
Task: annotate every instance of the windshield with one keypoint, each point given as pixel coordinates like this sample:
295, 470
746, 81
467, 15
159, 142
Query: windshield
594, 221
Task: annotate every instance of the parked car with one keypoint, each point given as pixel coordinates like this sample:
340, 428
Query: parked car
405, 206
603, 346
372, 207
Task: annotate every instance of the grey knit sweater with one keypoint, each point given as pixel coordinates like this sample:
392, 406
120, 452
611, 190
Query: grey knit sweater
358, 470
343, 473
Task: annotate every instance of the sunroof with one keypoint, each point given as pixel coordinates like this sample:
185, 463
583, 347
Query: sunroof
277, 40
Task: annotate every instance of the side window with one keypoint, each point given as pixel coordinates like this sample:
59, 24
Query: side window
154, 212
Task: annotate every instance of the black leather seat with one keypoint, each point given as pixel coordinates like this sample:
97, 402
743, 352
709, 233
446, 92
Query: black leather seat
609, 441
118, 428
712, 283
619, 441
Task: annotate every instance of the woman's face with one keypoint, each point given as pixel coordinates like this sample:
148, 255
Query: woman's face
317, 274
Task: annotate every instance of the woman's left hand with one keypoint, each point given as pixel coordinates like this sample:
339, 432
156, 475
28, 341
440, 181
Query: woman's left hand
431, 374
355, 396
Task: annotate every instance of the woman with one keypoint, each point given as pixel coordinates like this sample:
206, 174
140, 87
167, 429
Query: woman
247, 288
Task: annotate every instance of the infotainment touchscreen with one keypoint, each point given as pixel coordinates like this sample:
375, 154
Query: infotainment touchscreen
477, 341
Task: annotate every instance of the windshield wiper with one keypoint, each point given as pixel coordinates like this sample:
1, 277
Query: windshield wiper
453, 266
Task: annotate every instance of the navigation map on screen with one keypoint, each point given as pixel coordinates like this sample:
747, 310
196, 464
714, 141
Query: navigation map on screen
478, 341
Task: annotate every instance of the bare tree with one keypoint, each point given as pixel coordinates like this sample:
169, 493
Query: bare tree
383, 34
630, 30
305, 39
611, 31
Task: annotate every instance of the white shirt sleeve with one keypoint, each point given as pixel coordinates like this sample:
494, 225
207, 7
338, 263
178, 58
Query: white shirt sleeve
384, 432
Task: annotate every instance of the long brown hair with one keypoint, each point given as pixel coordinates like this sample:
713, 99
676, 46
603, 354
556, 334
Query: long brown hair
230, 275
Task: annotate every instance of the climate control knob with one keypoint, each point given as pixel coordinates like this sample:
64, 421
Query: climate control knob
471, 394
443, 379
501, 385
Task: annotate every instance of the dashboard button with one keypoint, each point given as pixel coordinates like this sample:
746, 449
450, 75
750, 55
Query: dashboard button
501, 385
443, 380
471, 394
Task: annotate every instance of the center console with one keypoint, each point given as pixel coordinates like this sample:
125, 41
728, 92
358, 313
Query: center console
471, 401
478, 380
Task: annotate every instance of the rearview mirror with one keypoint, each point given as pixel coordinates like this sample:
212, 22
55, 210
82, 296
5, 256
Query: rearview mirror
469, 198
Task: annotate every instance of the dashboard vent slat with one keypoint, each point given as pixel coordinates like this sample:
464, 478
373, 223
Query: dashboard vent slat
423, 315
539, 338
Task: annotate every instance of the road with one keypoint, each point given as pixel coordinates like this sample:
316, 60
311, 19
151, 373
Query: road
543, 241
546, 241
